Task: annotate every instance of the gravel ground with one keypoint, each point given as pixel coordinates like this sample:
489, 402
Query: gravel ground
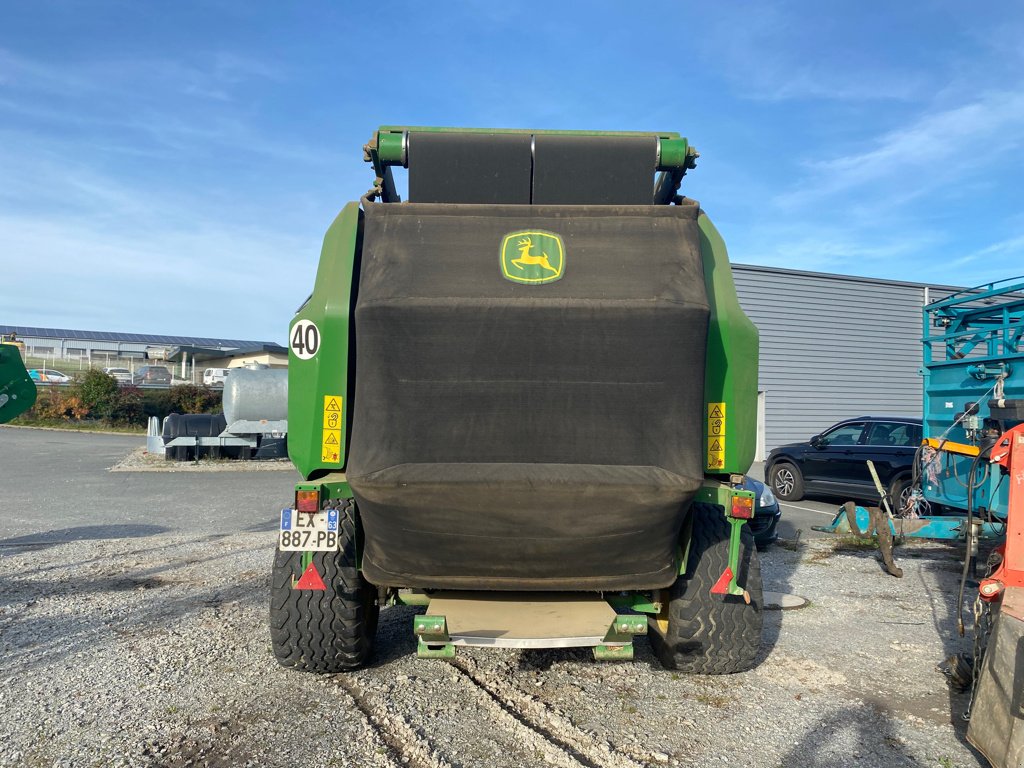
153, 651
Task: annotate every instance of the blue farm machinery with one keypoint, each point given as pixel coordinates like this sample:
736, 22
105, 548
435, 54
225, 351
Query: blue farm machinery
972, 462
969, 485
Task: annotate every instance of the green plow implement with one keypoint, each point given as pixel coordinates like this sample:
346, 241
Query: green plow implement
17, 390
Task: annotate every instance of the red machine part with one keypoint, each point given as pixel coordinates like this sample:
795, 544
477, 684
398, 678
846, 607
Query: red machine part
1009, 454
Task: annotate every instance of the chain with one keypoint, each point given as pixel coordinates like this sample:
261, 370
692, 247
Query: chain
982, 630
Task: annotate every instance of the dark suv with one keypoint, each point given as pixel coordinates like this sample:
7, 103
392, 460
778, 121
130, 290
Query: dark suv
156, 375
834, 462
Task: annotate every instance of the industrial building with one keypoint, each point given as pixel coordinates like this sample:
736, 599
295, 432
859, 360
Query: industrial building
832, 347
185, 354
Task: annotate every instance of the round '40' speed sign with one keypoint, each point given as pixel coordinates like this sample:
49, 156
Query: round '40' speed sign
305, 339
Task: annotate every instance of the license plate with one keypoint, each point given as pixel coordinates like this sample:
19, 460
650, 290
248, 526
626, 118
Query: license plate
308, 531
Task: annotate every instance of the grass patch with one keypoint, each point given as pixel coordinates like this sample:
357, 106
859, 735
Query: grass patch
713, 700
820, 556
77, 426
855, 544
790, 545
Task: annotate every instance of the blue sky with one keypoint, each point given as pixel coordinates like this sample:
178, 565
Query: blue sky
171, 167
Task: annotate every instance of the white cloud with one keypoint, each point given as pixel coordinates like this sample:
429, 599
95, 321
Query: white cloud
1009, 251
770, 53
934, 148
211, 280
817, 248
86, 248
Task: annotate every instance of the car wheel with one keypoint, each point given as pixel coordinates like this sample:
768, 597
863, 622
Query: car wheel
701, 632
787, 482
899, 496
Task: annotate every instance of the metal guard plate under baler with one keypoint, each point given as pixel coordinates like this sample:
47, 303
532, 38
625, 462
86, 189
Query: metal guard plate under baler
518, 620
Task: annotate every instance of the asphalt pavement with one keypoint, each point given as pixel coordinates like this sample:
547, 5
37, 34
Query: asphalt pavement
799, 516
56, 484
43, 469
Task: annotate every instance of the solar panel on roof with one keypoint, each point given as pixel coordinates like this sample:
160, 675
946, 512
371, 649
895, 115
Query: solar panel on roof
132, 338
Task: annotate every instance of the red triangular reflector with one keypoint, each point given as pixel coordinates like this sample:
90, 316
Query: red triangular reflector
721, 586
311, 580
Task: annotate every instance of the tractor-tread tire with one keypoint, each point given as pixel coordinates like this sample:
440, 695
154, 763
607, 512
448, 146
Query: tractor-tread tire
712, 634
323, 631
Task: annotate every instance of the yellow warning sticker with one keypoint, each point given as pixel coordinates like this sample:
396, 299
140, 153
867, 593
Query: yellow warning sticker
332, 420
716, 452
330, 447
716, 436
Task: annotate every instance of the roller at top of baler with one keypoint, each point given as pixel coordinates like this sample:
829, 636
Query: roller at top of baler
523, 377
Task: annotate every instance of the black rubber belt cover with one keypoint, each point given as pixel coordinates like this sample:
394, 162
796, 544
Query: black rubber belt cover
519, 169
510, 436
469, 168
594, 170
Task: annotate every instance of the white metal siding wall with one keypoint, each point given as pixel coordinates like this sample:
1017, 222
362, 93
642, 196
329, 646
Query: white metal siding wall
832, 347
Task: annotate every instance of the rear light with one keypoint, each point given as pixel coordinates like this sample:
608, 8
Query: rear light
307, 501
743, 507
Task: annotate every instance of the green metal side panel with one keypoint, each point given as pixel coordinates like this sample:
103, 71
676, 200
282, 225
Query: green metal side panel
332, 486
730, 379
318, 386
17, 390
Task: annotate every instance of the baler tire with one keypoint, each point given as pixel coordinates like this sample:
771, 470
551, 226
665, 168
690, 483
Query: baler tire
712, 634
795, 481
323, 631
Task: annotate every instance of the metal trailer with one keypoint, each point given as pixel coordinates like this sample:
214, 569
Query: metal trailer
526, 400
254, 425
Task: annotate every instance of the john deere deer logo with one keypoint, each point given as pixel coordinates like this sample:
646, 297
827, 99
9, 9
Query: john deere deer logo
532, 257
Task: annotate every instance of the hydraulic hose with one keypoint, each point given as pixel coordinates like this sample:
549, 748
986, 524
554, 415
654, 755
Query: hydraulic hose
969, 535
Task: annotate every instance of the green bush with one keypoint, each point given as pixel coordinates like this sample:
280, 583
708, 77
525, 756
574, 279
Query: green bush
188, 398
156, 402
184, 398
98, 392
127, 408
93, 399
